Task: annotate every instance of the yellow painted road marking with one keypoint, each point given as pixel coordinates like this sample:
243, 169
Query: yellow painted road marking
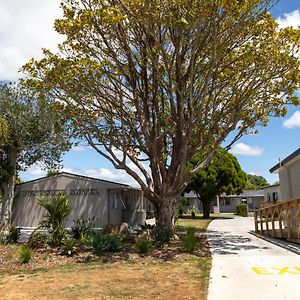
276, 271
261, 271
285, 270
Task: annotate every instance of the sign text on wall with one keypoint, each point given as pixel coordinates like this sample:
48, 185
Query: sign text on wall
70, 192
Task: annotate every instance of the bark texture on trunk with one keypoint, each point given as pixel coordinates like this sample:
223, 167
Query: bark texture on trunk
9, 191
166, 213
206, 201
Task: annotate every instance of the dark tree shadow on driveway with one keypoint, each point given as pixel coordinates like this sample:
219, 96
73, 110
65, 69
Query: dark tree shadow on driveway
225, 242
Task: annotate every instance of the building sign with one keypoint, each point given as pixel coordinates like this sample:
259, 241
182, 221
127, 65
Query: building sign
70, 192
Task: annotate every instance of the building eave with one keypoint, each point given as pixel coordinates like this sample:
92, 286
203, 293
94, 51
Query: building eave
288, 159
76, 176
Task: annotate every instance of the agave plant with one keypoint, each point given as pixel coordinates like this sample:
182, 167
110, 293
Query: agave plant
57, 210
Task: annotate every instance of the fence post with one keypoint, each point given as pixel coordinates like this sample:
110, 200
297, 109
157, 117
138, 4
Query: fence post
255, 221
280, 222
289, 223
261, 222
273, 223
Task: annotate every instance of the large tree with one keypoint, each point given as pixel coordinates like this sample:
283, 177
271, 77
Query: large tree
31, 132
150, 83
223, 175
255, 182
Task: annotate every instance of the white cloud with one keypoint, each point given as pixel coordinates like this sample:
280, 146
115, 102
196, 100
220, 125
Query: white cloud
293, 121
26, 27
254, 173
79, 148
244, 149
106, 174
120, 176
36, 171
289, 19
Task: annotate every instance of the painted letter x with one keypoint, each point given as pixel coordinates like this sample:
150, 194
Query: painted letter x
284, 270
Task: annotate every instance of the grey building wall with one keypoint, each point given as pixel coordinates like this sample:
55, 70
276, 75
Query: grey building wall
88, 198
284, 184
228, 203
135, 208
294, 170
272, 193
289, 177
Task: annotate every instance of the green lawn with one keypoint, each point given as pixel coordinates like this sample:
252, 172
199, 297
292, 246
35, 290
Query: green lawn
199, 223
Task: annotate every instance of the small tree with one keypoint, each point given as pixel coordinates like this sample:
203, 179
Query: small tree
57, 210
223, 175
30, 131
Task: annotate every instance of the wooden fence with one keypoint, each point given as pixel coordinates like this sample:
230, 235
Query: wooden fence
281, 220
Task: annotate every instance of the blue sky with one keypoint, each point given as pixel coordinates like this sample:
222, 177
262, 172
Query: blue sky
27, 26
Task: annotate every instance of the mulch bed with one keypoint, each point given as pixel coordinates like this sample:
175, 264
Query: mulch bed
46, 258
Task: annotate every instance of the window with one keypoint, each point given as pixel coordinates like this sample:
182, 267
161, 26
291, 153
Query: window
275, 196
268, 197
225, 201
115, 201
244, 200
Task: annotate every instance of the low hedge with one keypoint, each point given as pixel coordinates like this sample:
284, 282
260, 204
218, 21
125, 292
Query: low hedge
242, 210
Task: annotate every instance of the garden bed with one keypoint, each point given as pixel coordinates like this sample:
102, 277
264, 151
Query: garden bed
52, 257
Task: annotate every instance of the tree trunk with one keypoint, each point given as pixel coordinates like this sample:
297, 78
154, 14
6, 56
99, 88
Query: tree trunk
9, 191
206, 201
165, 219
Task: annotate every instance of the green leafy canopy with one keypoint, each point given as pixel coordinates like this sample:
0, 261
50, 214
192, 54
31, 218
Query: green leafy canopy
162, 80
223, 175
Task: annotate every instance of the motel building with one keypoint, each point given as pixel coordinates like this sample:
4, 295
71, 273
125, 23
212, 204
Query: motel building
281, 218
108, 202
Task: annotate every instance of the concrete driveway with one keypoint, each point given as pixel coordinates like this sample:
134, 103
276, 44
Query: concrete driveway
246, 267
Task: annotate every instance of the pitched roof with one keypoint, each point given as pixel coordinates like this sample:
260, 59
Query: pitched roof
245, 193
270, 186
75, 175
288, 159
248, 193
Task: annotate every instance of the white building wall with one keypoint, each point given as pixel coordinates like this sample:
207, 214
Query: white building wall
294, 170
284, 185
88, 198
270, 191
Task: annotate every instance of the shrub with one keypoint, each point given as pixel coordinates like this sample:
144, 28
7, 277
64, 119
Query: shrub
38, 240
162, 237
242, 210
13, 235
190, 240
82, 227
143, 246
182, 206
24, 254
57, 210
87, 239
115, 243
102, 242
69, 248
